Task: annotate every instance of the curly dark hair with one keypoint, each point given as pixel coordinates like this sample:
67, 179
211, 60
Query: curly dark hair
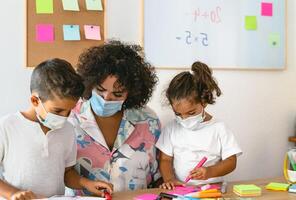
199, 86
56, 77
124, 61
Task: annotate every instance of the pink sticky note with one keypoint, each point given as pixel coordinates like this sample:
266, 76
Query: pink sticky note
92, 32
266, 9
211, 187
146, 197
182, 190
44, 33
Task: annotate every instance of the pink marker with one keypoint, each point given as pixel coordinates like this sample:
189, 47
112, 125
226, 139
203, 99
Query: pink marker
200, 164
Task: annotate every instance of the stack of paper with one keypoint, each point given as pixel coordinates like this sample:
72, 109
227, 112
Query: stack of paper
277, 186
247, 190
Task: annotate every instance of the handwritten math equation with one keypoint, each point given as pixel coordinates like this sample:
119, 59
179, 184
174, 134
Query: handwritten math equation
213, 15
189, 38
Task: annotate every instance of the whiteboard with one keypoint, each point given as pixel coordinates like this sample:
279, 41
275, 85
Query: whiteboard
179, 32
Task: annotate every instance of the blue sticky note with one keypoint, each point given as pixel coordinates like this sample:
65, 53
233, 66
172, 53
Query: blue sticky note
71, 32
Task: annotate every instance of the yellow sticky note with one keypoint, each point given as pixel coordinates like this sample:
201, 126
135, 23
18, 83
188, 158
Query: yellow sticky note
44, 6
251, 23
94, 5
277, 186
71, 5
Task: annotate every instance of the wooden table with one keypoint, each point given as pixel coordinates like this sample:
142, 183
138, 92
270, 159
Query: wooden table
266, 194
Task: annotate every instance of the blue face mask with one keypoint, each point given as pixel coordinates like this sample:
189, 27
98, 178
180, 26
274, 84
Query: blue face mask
51, 121
102, 107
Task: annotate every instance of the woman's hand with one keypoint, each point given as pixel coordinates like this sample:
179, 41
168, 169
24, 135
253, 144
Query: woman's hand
96, 187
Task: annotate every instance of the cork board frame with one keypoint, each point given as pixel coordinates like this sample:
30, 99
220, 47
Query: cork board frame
36, 52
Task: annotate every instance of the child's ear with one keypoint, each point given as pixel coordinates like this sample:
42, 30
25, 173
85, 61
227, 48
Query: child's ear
204, 104
34, 100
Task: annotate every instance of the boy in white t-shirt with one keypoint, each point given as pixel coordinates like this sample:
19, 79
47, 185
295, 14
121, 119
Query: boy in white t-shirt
37, 146
195, 134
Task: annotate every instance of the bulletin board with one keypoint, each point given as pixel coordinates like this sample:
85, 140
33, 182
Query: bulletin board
37, 51
225, 34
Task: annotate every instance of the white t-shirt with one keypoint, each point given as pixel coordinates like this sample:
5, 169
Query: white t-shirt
32, 160
213, 140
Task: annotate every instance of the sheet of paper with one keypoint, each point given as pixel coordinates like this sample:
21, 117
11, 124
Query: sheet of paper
146, 197
71, 5
267, 9
92, 32
44, 6
71, 32
94, 5
251, 23
274, 40
44, 33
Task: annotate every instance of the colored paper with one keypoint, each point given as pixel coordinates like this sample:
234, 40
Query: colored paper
71, 5
210, 187
44, 33
92, 32
277, 186
182, 190
247, 190
71, 32
94, 4
44, 6
266, 9
251, 22
146, 197
274, 40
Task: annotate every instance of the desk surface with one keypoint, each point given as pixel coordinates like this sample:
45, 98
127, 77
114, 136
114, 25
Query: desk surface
266, 194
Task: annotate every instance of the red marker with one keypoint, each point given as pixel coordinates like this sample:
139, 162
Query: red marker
107, 195
200, 164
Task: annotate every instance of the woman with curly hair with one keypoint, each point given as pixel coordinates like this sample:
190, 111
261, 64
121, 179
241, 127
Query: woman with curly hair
116, 132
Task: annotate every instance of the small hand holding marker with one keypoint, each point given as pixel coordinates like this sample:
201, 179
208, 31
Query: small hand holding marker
107, 195
199, 165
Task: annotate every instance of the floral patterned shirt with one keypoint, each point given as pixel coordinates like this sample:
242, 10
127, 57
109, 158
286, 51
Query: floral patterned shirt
132, 164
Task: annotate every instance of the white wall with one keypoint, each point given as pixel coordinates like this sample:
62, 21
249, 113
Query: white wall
260, 106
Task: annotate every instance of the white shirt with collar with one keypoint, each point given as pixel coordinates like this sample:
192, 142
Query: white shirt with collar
32, 160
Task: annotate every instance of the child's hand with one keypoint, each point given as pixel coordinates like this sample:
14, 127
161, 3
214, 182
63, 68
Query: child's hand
23, 195
202, 173
97, 187
170, 185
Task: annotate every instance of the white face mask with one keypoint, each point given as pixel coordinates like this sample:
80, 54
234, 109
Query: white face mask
192, 123
51, 121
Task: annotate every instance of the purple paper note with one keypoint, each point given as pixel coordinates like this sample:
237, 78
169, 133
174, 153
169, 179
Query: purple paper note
146, 197
44, 33
266, 9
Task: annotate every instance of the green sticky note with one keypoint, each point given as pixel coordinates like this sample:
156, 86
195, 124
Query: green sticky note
94, 5
251, 22
274, 41
247, 188
44, 6
71, 5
